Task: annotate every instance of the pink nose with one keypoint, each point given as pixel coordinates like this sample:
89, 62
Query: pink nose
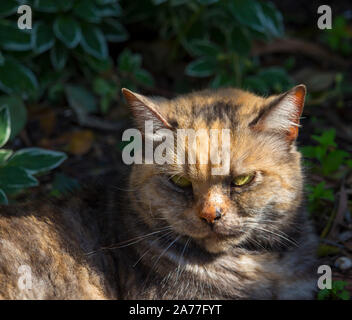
210, 213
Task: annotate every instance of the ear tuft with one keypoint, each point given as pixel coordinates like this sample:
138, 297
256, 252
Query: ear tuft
283, 113
144, 109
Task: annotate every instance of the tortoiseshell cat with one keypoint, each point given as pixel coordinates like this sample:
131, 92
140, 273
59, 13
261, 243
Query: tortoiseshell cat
177, 231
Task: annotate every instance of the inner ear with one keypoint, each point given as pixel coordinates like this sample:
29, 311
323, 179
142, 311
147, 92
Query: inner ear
283, 113
145, 109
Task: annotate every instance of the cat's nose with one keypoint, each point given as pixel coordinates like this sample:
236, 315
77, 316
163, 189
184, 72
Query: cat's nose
210, 214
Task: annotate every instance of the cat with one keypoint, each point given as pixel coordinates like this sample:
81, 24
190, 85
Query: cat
175, 230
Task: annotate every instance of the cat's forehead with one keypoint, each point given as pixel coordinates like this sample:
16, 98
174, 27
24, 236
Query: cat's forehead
226, 108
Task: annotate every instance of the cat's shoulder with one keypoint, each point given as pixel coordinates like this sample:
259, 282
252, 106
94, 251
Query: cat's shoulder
51, 240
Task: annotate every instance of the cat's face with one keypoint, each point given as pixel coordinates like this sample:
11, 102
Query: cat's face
252, 201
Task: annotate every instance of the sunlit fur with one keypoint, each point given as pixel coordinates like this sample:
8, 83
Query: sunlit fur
149, 239
263, 237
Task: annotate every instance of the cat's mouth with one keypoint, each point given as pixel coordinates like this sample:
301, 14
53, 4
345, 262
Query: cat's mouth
217, 242
216, 234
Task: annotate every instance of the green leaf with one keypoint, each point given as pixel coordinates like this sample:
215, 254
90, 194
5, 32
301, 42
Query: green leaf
5, 125
320, 192
112, 10
247, 12
308, 151
255, 84
320, 152
65, 5
18, 113
64, 184
4, 155
276, 78
323, 294
103, 2
222, 80
42, 38
207, 2
239, 42
175, 3
202, 67
87, 10
202, 47
98, 65
157, 2
129, 62
68, 31
105, 104
326, 139
271, 19
103, 87
94, 42
36, 160
12, 38
349, 163
16, 177
333, 161
81, 99
58, 57
16, 78
344, 295
7, 7
144, 77
46, 5
339, 285
3, 198
114, 31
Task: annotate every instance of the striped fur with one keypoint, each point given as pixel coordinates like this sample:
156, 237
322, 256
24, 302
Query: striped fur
264, 246
145, 240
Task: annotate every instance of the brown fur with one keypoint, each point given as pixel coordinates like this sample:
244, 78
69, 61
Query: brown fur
262, 247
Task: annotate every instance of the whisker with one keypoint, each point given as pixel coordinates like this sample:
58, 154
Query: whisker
285, 237
158, 259
178, 271
159, 238
129, 242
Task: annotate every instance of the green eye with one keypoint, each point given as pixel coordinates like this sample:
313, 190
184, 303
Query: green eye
243, 179
181, 181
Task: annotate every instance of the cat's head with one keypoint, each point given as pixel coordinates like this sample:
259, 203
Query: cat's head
255, 199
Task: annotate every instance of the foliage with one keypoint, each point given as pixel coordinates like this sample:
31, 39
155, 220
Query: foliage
63, 185
337, 292
326, 153
339, 37
131, 72
68, 42
17, 169
219, 34
69, 39
317, 195
327, 160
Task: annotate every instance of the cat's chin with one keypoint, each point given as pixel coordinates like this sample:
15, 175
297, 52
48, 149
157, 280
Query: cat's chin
217, 243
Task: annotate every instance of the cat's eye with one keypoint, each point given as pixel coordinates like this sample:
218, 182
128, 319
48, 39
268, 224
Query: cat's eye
180, 181
243, 179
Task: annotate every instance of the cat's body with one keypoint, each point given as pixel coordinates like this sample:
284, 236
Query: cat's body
155, 239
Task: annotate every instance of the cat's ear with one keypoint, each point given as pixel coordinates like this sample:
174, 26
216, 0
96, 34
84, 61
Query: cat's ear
145, 109
283, 113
